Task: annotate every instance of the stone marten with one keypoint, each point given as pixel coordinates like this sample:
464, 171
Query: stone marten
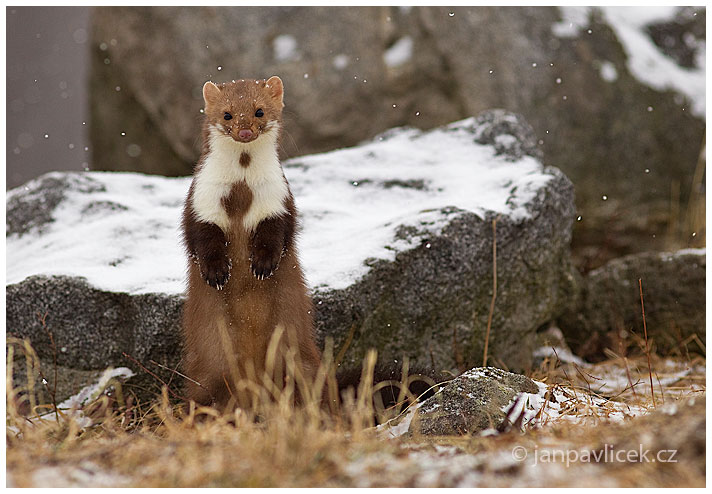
239, 227
244, 278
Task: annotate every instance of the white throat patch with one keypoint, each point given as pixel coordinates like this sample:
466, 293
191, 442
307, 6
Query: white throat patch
221, 170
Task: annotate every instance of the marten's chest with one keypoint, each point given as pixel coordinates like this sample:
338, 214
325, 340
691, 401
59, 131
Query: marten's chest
236, 197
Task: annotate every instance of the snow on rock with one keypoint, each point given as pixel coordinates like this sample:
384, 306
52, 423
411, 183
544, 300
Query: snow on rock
124, 234
400, 53
120, 231
396, 246
646, 61
383, 186
608, 71
477, 400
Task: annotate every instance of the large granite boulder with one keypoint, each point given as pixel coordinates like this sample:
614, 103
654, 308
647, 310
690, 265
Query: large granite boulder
608, 310
397, 246
616, 96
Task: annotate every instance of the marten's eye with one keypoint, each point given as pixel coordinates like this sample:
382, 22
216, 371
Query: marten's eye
259, 113
228, 116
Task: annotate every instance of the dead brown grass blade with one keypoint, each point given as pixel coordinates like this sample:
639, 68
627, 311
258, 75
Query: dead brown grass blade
494, 290
647, 348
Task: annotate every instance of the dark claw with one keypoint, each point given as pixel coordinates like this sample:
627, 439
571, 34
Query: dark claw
264, 264
216, 271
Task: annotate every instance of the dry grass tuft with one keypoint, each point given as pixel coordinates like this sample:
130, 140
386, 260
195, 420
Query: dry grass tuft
160, 444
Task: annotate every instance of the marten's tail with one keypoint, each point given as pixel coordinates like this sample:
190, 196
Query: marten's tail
391, 391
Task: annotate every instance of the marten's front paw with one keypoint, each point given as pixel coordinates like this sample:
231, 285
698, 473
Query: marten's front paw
215, 270
264, 263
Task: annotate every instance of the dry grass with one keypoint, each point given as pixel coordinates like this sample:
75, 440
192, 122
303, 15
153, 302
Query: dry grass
687, 224
160, 444
276, 444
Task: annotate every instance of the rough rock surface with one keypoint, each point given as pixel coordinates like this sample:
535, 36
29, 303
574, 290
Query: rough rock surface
609, 303
679, 37
92, 329
472, 402
397, 247
568, 71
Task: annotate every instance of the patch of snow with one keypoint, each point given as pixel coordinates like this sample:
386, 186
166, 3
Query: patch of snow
133, 245
608, 71
85, 474
340, 61
126, 237
450, 450
402, 426
566, 404
418, 468
563, 354
573, 19
646, 62
400, 53
72, 406
285, 48
668, 256
669, 409
478, 373
505, 140
93, 391
612, 383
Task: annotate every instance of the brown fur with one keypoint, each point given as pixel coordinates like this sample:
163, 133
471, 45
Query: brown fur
242, 285
241, 99
245, 159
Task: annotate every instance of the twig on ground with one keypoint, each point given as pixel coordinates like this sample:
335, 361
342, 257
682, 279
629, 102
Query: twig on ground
152, 375
662, 390
174, 371
566, 375
588, 384
647, 349
53, 394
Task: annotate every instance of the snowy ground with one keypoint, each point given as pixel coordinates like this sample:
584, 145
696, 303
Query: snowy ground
126, 237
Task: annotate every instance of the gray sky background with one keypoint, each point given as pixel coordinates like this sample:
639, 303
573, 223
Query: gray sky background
47, 72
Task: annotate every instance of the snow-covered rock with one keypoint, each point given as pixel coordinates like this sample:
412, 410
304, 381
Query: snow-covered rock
475, 401
396, 244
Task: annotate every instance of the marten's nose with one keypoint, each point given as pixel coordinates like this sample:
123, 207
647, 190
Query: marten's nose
244, 134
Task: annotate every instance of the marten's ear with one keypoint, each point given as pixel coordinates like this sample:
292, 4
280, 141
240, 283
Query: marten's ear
275, 88
211, 93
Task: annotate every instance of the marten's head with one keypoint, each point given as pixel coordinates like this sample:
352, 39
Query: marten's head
244, 109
